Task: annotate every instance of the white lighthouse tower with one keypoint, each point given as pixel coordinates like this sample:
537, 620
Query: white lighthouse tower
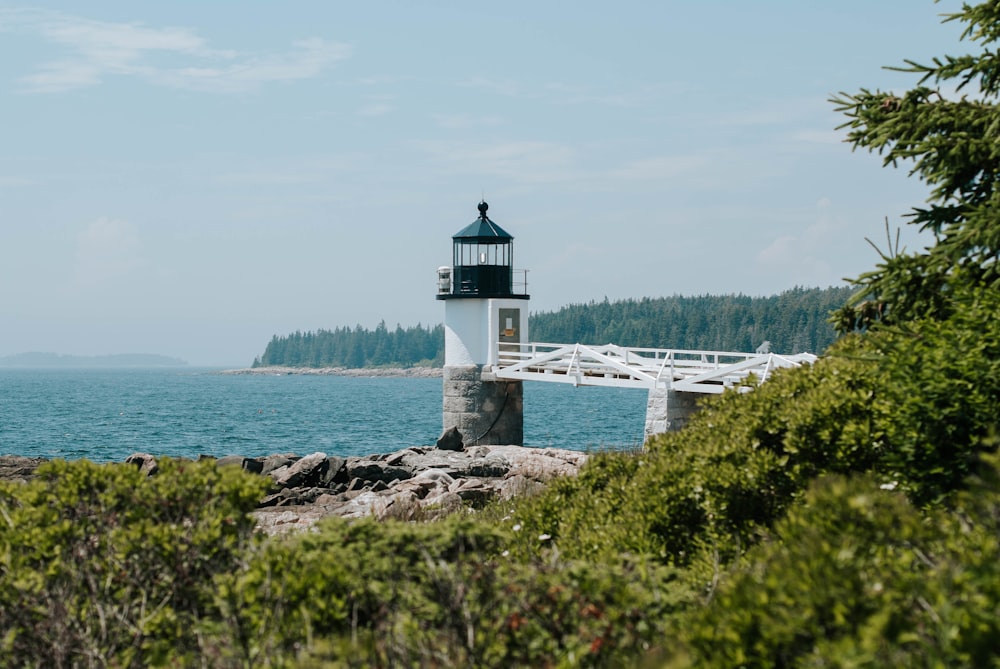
485, 309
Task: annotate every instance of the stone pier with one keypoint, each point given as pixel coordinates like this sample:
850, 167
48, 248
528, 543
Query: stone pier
668, 410
486, 411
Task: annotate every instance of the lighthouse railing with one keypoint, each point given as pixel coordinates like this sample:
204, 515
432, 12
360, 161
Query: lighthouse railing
447, 284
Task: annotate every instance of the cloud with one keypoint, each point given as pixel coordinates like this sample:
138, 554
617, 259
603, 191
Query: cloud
107, 250
808, 252
172, 57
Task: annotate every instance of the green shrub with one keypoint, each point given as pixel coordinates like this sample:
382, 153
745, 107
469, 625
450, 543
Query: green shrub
911, 406
363, 594
709, 490
856, 576
101, 565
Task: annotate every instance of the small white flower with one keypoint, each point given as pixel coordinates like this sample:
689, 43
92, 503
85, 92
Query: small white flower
505, 553
888, 486
544, 537
517, 527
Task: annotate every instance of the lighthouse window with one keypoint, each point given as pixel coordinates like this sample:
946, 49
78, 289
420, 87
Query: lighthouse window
467, 254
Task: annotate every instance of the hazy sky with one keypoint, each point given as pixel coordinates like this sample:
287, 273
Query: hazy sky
191, 178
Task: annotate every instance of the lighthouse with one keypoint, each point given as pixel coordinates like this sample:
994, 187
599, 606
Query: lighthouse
486, 316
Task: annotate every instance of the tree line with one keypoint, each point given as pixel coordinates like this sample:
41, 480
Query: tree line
357, 347
793, 321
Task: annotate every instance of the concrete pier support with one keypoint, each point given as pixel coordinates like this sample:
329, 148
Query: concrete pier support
486, 411
668, 410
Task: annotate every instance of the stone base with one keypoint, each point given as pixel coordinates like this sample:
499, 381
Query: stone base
668, 410
485, 411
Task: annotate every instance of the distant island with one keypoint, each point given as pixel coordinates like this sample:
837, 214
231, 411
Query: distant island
35, 360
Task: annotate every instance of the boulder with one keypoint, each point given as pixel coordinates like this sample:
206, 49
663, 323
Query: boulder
334, 471
518, 486
450, 440
18, 468
144, 461
375, 470
540, 464
305, 472
473, 491
251, 465
278, 461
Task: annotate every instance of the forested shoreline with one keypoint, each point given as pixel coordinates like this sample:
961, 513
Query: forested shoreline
793, 321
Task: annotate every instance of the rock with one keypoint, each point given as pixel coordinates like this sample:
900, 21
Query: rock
306, 472
431, 481
356, 484
492, 466
446, 502
334, 471
18, 468
251, 465
271, 500
398, 456
540, 464
288, 519
519, 486
451, 440
474, 491
367, 503
273, 462
374, 470
144, 461
410, 484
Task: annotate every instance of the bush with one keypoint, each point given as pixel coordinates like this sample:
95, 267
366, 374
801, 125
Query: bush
100, 565
369, 594
857, 576
911, 406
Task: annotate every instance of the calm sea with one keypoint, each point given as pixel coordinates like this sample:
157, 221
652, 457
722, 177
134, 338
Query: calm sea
105, 415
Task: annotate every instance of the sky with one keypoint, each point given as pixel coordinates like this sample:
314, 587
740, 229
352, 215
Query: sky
191, 178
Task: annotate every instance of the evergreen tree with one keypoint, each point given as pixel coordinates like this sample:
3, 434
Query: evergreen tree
948, 128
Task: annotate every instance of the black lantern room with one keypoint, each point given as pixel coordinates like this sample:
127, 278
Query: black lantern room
482, 263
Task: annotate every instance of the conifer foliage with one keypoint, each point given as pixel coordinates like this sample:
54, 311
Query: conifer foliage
947, 128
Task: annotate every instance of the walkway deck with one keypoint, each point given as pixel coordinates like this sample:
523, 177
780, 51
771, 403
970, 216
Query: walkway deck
650, 368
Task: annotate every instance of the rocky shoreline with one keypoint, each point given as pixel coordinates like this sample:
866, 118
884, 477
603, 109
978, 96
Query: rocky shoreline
416, 372
410, 484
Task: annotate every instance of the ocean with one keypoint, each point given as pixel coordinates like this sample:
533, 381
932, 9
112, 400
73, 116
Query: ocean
107, 414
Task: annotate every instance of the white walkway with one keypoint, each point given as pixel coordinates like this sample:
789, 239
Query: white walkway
652, 368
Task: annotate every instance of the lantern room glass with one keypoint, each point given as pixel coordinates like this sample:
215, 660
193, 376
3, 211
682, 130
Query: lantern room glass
483, 268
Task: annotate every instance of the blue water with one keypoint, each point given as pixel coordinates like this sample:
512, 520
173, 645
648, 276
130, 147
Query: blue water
105, 415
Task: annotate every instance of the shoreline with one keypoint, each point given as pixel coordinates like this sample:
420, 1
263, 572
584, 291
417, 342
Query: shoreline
413, 372
414, 483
